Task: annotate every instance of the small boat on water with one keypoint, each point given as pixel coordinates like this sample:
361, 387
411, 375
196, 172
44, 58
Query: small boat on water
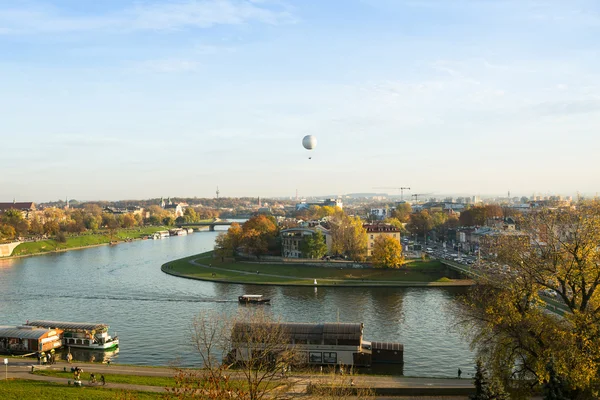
84, 335
253, 299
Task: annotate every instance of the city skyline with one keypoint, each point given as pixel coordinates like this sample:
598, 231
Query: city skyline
132, 100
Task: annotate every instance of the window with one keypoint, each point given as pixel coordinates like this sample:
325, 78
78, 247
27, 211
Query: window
330, 358
315, 358
371, 237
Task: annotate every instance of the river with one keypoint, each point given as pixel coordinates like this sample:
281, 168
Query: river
124, 287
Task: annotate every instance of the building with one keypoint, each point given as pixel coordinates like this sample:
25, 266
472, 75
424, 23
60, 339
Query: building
319, 344
327, 202
28, 339
381, 213
292, 238
27, 208
175, 209
376, 230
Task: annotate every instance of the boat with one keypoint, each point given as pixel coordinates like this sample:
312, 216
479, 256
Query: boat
253, 299
330, 343
83, 335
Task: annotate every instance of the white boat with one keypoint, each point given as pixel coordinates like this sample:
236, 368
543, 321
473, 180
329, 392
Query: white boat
84, 335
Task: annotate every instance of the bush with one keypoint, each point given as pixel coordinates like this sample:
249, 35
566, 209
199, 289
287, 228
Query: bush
61, 237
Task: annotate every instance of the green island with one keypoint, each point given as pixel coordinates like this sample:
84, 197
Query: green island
413, 273
87, 239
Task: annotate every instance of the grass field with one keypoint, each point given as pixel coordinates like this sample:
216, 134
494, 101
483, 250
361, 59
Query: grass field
162, 381
84, 240
295, 274
24, 389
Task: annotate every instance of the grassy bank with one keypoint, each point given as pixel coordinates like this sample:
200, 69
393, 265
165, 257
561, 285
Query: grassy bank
25, 389
162, 381
84, 240
205, 267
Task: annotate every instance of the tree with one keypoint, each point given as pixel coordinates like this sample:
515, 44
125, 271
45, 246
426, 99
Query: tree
7, 232
224, 246
387, 252
558, 250
553, 388
349, 237
128, 221
402, 212
255, 344
314, 245
420, 223
190, 215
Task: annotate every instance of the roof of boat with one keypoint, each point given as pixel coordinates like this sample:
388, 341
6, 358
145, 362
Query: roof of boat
88, 326
22, 332
253, 296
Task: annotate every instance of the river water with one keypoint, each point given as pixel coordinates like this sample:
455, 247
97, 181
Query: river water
124, 287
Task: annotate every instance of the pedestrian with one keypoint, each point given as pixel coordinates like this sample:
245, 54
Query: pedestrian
459, 373
351, 382
102, 380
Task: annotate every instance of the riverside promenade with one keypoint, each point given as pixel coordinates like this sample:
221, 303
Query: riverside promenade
383, 386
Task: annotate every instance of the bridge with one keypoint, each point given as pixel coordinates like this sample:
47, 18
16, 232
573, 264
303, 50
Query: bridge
551, 304
458, 267
211, 224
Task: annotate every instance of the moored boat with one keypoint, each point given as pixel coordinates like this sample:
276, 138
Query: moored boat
84, 335
253, 299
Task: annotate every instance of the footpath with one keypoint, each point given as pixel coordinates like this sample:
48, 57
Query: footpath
382, 386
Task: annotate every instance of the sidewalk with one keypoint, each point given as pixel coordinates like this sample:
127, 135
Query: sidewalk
382, 385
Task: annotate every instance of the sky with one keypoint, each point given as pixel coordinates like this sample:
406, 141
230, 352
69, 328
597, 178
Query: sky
119, 99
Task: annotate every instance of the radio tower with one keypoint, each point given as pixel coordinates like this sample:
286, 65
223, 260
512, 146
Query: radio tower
217, 197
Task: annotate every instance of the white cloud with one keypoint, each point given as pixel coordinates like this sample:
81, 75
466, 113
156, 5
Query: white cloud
161, 16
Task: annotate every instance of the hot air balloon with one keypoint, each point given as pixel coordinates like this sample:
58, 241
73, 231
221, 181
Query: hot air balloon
309, 142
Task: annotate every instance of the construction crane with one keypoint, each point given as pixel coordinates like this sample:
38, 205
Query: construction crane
416, 196
401, 189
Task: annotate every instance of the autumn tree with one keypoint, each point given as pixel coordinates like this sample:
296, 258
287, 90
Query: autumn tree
387, 252
15, 219
224, 246
349, 237
558, 250
402, 212
420, 223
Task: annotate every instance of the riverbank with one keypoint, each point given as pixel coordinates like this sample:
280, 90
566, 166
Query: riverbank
150, 383
80, 242
415, 273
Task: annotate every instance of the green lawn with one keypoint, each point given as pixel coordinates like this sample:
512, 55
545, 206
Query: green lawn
162, 381
25, 389
295, 274
86, 239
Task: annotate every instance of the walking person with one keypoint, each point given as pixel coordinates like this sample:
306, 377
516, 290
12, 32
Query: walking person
459, 373
102, 380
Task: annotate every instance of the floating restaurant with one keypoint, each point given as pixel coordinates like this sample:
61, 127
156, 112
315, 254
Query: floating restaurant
323, 344
28, 339
85, 335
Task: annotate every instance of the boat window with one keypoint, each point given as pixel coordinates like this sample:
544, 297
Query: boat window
331, 342
314, 341
330, 358
349, 342
315, 357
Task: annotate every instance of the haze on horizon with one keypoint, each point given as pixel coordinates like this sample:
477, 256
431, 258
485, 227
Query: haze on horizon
128, 99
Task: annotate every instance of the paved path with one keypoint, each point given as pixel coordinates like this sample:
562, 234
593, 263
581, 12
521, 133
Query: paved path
21, 369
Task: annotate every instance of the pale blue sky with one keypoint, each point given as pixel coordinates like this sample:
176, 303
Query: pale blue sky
119, 99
